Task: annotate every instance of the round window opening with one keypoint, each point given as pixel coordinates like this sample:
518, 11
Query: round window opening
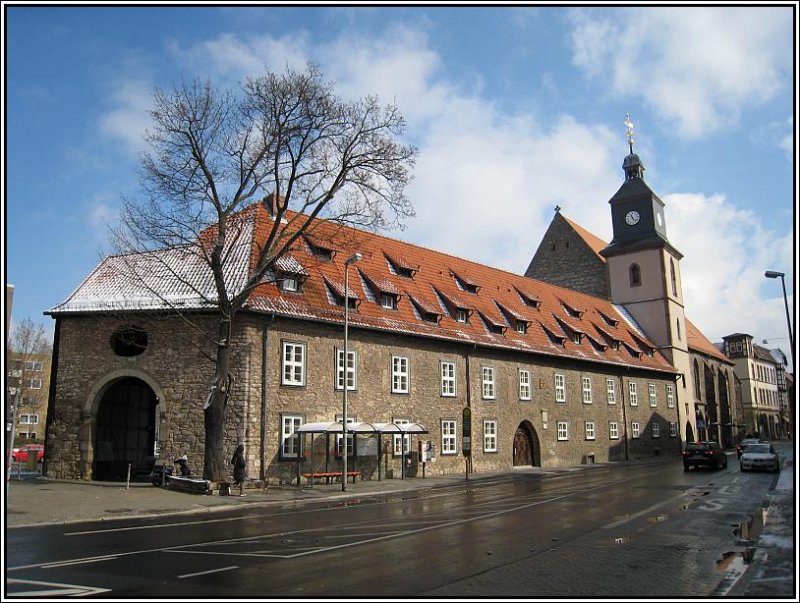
129, 340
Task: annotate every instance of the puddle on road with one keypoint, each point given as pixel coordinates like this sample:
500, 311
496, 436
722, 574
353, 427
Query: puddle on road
735, 563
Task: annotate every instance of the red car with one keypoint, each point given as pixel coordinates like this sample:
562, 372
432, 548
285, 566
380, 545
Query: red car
22, 454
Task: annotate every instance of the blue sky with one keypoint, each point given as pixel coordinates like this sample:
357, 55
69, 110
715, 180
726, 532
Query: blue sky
513, 109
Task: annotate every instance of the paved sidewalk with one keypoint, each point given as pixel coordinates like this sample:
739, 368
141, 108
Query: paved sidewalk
34, 501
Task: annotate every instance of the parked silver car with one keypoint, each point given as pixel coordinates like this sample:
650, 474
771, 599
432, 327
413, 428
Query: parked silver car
760, 457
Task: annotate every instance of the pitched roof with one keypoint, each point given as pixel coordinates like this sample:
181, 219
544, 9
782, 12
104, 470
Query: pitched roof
695, 339
700, 343
496, 298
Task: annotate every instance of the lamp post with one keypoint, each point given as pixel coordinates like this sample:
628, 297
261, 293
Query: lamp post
773, 274
351, 260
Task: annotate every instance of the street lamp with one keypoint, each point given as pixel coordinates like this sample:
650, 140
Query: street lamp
351, 260
773, 274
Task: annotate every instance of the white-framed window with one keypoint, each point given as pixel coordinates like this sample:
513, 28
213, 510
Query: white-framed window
449, 436
611, 391
294, 363
387, 301
448, 374
397, 440
651, 394
350, 421
673, 429
290, 439
289, 283
561, 388
524, 384
490, 435
33, 365
399, 374
613, 430
670, 396
633, 395
521, 327
588, 428
586, 385
351, 370
461, 315
487, 382
562, 430
29, 419
655, 430
635, 430
34, 384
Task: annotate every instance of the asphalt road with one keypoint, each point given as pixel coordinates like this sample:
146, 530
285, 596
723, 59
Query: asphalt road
617, 531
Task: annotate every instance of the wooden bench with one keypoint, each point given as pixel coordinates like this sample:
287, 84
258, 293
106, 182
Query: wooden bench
330, 475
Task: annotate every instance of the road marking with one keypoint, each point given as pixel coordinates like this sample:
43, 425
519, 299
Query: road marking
648, 510
213, 571
79, 561
54, 589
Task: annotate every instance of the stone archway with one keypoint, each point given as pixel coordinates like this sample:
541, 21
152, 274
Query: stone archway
526, 449
125, 429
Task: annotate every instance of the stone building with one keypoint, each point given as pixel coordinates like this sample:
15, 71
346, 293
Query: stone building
551, 375
640, 270
762, 377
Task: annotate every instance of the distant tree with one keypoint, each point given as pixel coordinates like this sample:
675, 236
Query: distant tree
213, 152
27, 346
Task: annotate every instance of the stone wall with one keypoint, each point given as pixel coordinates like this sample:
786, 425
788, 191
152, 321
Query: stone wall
176, 368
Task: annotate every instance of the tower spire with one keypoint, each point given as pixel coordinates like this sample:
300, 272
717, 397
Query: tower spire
632, 165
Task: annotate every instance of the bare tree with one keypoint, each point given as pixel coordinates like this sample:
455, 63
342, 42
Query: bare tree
213, 153
28, 346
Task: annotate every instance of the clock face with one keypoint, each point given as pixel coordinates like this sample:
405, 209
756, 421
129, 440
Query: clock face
632, 217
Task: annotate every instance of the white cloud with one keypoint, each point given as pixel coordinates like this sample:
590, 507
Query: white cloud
696, 67
726, 253
128, 119
486, 182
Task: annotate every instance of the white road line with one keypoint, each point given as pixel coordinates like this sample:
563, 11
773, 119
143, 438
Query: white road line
54, 589
213, 571
79, 561
624, 520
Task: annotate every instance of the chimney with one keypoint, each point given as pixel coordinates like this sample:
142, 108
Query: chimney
272, 201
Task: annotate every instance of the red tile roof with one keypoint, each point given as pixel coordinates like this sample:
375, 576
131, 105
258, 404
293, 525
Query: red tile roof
499, 298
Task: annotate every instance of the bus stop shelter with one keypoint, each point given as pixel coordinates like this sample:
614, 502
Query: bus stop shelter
376, 430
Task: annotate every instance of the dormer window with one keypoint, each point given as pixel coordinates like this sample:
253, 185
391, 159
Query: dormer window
611, 322
529, 300
465, 284
576, 337
289, 274
290, 284
320, 249
400, 267
573, 312
388, 301
521, 327
426, 311
461, 315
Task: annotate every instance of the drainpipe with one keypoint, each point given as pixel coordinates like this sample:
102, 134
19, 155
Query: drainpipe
624, 417
468, 400
264, 398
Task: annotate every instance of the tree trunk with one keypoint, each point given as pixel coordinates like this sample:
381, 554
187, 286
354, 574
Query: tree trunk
214, 466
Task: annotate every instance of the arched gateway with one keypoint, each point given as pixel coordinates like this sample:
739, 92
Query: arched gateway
126, 430
526, 446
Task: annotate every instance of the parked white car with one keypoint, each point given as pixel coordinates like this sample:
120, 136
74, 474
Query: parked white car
760, 457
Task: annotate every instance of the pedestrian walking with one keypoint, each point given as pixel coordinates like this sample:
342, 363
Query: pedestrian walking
239, 468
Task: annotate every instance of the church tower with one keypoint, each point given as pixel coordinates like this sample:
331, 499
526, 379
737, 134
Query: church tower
644, 277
